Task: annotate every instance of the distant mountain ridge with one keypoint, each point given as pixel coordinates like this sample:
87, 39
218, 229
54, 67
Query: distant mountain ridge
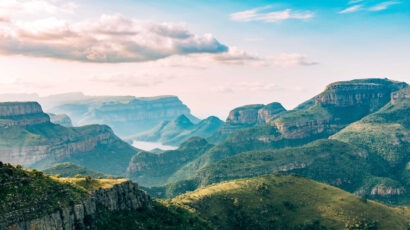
125, 115
179, 130
27, 137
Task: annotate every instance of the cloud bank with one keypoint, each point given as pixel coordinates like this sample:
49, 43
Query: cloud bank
111, 38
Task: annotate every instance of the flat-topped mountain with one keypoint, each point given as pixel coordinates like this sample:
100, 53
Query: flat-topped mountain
248, 116
337, 107
21, 114
179, 130
27, 137
125, 115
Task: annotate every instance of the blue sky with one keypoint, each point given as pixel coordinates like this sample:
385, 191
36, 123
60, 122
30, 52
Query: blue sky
214, 56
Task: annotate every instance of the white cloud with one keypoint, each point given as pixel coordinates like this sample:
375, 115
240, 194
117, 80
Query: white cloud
236, 56
360, 7
111, 38
10, 8
351, 9
261, 14
383, 6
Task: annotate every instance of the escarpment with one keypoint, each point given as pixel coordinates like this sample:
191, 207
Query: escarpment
21, 114
125, 115
339, 105
83, 215
28, 138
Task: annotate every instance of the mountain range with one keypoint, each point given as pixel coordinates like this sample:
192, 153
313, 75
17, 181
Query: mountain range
317, 166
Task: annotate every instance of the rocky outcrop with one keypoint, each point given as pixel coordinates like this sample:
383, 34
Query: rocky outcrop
339, 105
21, 114
121, 197
373, 93
251, 115
126, 115
61, 119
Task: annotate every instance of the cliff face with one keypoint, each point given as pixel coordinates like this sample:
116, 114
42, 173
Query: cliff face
339, 105
251, 115
61, 119
121, 197
126, 115
27, 137
21, 114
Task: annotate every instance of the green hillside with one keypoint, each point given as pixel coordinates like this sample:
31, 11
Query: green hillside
68, 169
29, 194
335, 108
179, 130
332, 162
151, 169
288, 202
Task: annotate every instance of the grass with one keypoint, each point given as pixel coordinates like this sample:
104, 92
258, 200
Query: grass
286, 202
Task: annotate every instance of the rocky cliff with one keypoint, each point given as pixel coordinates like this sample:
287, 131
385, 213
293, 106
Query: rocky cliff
248, 116
27, 137
21, 114
61, 119
121, 197
339, 105
126, 115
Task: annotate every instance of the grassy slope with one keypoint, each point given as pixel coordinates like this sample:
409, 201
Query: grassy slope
286, 202
68, 169
40, 194
328, 161
151, 169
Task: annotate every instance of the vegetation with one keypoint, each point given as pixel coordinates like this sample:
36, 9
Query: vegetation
287, 202
68, 169
34, 194
152, 169
161, 215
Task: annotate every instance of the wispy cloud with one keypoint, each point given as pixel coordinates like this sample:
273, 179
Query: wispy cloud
236, 56
264, 14
383, 6
362, 7
351, 9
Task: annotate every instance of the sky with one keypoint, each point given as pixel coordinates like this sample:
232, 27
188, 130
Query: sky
214, 55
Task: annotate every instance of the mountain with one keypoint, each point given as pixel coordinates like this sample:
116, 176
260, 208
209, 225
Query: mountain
152, 169
341, 104
247, 116
329, 161
126, 115
27, 137
386, 136
60, 119
288, 202
179, 130
369, 157
32, 200
68, 169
